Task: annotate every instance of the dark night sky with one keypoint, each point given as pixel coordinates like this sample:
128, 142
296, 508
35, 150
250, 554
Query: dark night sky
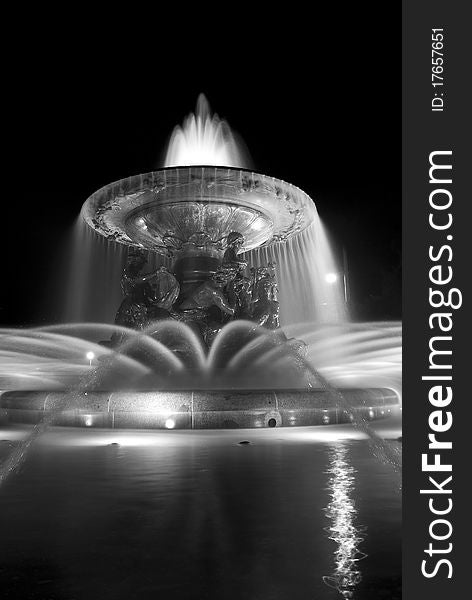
318, 106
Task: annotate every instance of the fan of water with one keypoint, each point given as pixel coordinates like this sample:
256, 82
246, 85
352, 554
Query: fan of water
169, 354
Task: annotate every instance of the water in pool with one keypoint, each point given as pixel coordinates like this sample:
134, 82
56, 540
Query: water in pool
306, 513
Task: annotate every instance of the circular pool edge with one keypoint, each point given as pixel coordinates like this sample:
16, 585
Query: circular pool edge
197, 409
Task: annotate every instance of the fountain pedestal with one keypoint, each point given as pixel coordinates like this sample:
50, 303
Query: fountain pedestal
191, 270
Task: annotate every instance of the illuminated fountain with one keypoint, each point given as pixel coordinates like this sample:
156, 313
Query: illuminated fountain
232, 255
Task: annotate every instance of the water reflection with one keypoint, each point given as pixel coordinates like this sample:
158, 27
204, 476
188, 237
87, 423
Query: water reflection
341, 511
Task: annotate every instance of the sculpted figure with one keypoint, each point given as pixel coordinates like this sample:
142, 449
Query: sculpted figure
198, 308
136, 290
265, 307
165, 291
147, 297
240, 296
210, 293
234, 243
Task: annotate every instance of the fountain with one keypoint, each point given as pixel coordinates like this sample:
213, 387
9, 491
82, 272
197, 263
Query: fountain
201, 297
236, 259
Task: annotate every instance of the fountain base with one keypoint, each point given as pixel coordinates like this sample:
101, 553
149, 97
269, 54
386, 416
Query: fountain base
212, 409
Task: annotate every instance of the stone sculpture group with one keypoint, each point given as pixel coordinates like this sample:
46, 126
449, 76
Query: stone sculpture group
230, 292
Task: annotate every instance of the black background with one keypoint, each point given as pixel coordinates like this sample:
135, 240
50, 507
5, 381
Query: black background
316, 97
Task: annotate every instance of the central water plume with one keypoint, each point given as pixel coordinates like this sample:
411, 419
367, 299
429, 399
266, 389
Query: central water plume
205, 139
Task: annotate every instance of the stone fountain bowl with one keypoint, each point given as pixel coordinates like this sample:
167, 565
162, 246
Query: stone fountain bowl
202, 409
166, 209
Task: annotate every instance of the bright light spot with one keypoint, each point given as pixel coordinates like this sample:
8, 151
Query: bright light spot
331, 277
142, 223
90, 355
170, 424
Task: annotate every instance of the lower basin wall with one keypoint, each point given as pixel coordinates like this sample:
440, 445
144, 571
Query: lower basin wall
195, 410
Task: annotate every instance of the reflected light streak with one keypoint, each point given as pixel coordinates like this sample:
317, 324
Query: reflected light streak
341, 511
